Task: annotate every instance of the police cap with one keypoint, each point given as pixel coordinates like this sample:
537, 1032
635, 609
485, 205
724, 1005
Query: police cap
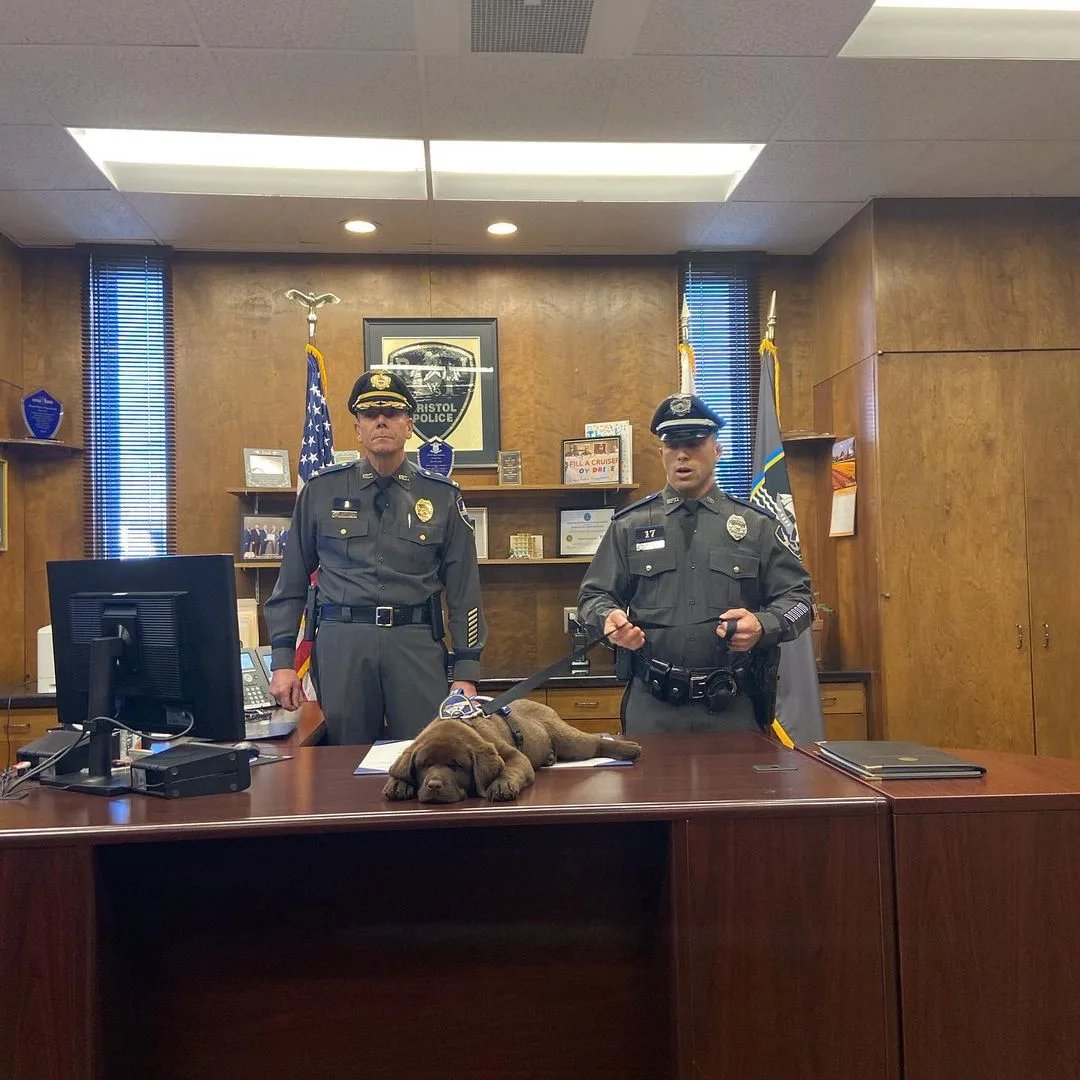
684, 416
381, 390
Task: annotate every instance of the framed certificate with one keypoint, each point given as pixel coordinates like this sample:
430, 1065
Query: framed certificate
477, 516
591, 461
580, 531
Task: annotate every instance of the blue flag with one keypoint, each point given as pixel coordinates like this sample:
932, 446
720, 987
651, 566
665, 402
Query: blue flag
798, 700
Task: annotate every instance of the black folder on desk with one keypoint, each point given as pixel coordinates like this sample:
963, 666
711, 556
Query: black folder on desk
897, 761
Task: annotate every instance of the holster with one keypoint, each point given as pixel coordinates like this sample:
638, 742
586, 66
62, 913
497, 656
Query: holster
311, 609
438, 630
762, 682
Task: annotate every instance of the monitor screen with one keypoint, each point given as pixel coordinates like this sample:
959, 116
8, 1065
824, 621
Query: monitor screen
178, 664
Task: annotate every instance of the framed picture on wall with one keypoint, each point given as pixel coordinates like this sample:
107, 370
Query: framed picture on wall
267, 468
452, 368
263, 536
3, 505
477, 515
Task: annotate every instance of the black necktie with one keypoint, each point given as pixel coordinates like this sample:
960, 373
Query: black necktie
689, 520
382, 497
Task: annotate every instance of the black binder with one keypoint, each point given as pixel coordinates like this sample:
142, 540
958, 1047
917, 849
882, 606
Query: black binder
897, 761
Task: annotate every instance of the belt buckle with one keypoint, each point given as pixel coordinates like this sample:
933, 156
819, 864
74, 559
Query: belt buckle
384, 616
697, 686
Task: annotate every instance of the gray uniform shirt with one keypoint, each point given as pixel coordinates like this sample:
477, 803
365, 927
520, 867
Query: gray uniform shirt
420, 545
735, 559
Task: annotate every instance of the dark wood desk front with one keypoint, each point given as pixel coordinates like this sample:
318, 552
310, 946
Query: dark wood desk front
687, 917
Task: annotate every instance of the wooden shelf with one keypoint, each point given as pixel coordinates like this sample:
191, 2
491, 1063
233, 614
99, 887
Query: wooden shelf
807, 436
256, 564
43, 447
272, 492
580, 559
545, 489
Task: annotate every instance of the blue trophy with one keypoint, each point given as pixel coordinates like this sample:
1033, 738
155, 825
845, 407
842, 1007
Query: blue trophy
436, 456
42, 414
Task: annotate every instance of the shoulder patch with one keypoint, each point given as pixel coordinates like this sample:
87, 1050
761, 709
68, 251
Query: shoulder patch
634, 505
752, 506
428, 475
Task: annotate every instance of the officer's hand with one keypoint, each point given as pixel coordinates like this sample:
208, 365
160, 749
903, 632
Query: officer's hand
288, 689
621, 631
748, 632
467, 688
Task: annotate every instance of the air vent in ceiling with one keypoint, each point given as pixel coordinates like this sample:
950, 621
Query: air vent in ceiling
532, 26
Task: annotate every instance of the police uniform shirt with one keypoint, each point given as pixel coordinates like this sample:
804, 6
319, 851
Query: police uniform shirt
419, 545
735, 559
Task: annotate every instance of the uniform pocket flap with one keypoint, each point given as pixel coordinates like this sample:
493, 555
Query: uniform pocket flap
344, 528
422, 534
650, 563
738, 565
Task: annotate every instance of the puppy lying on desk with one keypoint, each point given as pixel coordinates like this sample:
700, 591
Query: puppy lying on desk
452, 759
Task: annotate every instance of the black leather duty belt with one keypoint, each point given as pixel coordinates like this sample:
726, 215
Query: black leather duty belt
383, 615
678, 685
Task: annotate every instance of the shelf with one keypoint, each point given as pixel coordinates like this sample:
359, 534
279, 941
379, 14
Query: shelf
256, 564
807, 436
566, 560
272, 492
545, 489
43, 447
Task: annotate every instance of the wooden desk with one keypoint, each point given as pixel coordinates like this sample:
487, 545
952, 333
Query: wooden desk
685, 917
987, 889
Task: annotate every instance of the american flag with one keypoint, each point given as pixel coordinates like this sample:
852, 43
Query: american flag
316, 452
317, 447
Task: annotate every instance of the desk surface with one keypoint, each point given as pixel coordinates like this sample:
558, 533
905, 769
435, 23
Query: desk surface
678, 776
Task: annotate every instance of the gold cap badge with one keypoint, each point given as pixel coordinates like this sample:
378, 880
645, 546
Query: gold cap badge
380, 380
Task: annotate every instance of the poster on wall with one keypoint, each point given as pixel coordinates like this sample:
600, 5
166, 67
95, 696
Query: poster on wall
842, 522
452, 368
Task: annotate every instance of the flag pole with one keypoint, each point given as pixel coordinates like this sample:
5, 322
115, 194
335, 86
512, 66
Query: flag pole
312, 303
768, 345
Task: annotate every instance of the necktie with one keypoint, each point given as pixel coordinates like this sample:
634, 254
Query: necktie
382, 497
689, 520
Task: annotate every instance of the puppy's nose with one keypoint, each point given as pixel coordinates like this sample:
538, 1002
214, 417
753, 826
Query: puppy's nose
434, 784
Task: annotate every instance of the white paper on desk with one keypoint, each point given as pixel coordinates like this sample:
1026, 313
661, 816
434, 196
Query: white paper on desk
382, 755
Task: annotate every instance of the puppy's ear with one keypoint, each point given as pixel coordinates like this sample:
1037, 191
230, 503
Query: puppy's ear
486, 767
405, 766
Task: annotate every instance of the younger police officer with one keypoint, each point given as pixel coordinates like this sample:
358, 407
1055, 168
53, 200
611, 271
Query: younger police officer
386, 538
674, 563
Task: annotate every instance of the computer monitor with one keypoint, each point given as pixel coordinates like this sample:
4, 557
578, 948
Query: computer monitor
151, 643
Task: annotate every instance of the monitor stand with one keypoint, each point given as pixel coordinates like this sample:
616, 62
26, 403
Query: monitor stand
98, 778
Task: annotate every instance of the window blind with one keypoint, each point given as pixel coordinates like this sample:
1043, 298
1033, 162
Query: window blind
723, 300
129, 404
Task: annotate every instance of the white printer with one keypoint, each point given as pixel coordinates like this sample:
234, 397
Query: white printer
46, 666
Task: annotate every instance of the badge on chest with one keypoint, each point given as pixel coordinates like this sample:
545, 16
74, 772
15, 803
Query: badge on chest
648, 537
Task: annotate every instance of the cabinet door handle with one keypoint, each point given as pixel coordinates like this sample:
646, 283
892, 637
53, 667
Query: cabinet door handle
586, 704
1019, 636
1046, 635
828, 701
11, 729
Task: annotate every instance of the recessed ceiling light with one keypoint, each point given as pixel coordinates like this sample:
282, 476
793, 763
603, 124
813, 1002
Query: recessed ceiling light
359, 226
215, 163
589, 172
502, 228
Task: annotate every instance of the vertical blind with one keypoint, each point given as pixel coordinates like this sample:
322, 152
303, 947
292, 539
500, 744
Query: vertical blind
723, 332
129, 404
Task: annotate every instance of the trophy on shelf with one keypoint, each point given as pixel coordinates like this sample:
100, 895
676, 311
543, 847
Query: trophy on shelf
42, 414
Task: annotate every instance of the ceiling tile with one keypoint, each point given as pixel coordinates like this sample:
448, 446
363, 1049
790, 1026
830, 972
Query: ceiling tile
888, 99
314, 24
119, 22
403, 225
136, 87
749, 27
42, 157
311, 93
987, 168
779, 228
192, 220
68, 217
730, 99
22, 86
521, 96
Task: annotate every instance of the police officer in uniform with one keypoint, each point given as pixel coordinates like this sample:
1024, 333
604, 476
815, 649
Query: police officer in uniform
688, 581
386, 539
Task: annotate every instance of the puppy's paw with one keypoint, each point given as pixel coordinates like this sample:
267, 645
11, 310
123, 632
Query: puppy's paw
504, 789
623, 749
398, 790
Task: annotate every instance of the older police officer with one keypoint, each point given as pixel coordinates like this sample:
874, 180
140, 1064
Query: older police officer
689, 580
386, 538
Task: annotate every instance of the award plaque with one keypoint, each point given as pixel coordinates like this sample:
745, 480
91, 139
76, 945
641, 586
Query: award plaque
436, 456
509, 466
42, 414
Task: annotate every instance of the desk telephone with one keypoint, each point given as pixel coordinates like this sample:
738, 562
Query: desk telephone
255, 678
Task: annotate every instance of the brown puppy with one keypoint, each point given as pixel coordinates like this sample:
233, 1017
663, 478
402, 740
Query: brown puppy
450, 760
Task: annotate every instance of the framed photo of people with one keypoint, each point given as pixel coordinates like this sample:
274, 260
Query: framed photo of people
591, 461
263, 536
452, 368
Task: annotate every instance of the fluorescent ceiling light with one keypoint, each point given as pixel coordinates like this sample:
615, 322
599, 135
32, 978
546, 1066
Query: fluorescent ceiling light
589, 172
215, 163
968, 30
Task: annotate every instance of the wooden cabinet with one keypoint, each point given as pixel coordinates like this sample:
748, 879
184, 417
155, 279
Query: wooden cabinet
843, 706
21, 726
959, 589
590, 708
